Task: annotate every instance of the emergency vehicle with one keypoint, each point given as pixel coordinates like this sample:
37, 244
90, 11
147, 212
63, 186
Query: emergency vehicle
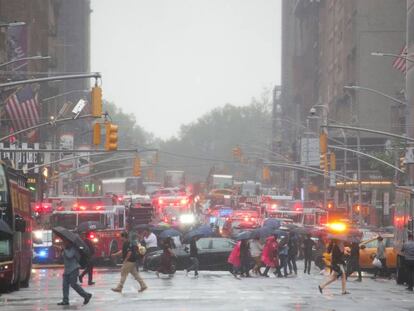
274, 203
106, 241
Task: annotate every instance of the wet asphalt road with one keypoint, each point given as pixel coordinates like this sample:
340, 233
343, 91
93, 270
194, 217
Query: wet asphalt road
211, 291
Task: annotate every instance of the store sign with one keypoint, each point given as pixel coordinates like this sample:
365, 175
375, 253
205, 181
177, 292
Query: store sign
24, 159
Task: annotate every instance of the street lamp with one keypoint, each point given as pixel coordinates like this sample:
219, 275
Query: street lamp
404, 56
357, 88
38, 57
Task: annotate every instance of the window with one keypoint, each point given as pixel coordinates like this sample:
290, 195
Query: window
67, 221
5, 248
204, 244
222, 244
3, 186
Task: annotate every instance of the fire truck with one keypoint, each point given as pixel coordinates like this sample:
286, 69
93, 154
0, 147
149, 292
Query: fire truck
107, 240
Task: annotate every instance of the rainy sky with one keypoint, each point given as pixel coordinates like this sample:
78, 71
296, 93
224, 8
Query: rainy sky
170, 61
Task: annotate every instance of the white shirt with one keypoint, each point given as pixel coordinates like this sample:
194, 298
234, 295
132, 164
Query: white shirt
255, 248
151, 240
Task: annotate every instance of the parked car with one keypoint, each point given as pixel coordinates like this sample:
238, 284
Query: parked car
212, 253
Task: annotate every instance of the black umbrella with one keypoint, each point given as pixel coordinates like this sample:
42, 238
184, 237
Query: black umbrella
5, 228
262, 232
67, 235
245, 235
169, 233
90, 226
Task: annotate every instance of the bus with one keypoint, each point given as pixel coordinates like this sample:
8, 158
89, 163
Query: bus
15, 230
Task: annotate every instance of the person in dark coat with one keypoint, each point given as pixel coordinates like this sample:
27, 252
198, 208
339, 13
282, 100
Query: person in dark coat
244, 258
353, 262
292, 252
89, 264
337, 266
166, 264
308, 245
193, 257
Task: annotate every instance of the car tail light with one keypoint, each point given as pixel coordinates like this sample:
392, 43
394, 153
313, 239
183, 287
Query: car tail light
91, 235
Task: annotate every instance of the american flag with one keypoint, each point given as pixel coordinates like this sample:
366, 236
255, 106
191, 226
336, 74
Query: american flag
23, 108
399, 62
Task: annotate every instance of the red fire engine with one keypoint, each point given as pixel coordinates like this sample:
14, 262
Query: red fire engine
106, 240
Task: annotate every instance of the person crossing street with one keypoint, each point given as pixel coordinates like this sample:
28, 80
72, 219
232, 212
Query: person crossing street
129, 254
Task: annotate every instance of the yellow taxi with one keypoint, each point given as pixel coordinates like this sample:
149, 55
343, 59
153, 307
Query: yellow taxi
367, 251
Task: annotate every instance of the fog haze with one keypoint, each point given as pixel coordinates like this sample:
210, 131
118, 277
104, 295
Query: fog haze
168, 62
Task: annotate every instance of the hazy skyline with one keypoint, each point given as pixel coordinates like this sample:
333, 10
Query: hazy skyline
170, 61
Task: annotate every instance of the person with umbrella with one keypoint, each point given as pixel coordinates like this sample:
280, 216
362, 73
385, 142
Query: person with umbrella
308, 245
283, 255
89, 264
129, 254
193, 256
244, 258
166, 262
292, 252
337, 266
151, 244
71, 258
256, 249
270, 254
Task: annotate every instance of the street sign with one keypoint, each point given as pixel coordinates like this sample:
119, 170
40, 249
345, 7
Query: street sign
21, 160
309, 154
83, 162
332, 179
409, 155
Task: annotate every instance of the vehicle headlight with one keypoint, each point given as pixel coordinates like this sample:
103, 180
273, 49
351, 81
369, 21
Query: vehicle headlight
187, 219
38, 234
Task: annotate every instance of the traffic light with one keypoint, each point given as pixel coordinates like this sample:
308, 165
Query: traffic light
96, 135
323, 143
266, 173
96, 100
136, 171
237, 153
111, 136
333, 161
402, 163
323, 164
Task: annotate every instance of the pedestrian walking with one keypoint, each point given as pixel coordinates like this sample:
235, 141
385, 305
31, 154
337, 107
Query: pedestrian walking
151, 244
90, 262
129, 254
234, 259
320, 249
292, 252
408, 251
244, 258
166, 263
308, 245
337, 266
283, 257
193, 257
256, 249
71, 258
353, 262
381, 255
270, 254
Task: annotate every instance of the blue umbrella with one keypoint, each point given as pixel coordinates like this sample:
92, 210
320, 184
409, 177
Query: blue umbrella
245, 235
193, 233
169, 233
280, 233
272, 223
262, 233
206, 230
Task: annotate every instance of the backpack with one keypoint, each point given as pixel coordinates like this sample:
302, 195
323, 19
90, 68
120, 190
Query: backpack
84, 259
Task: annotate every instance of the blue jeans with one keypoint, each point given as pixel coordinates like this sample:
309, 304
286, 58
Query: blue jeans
72, 280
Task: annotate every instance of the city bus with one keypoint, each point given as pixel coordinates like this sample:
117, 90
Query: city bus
15, 230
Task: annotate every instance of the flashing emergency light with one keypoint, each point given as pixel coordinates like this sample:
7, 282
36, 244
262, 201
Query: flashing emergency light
58, 240
38, 234
160, 201
187, 218
337, 226
184, 201
43, 253
274, 206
